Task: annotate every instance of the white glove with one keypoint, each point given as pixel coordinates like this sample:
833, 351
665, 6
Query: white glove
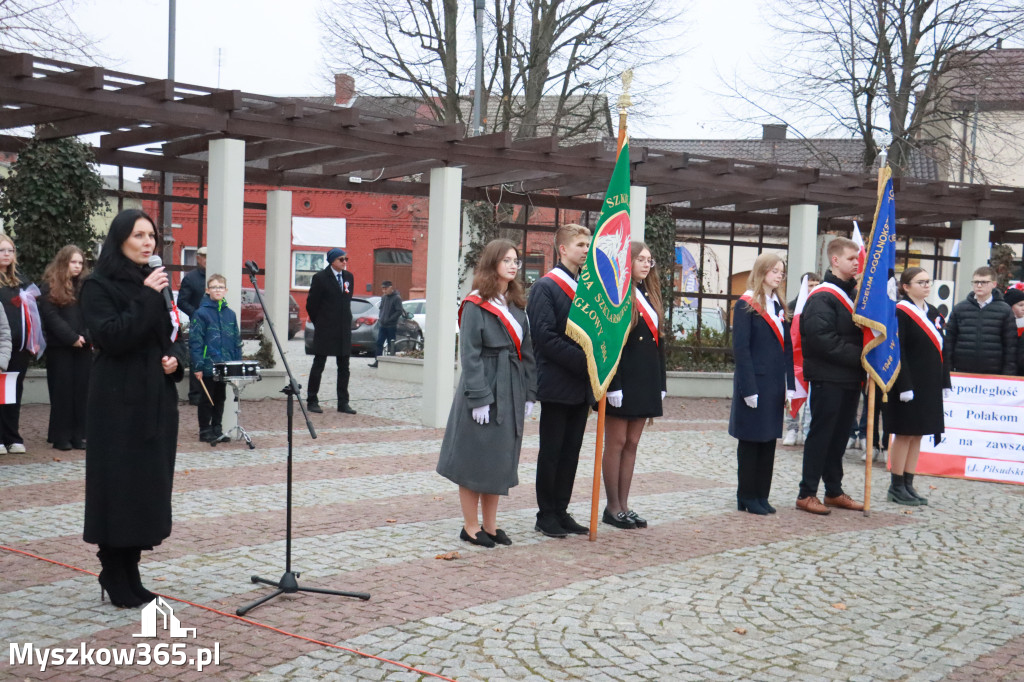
906, 396
947, 394
751, 401
482, 415
790, 395
615, 398
663, 394
529, 408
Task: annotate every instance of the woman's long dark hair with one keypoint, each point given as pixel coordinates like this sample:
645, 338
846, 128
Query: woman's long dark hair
485, 278
111, 259
63, 287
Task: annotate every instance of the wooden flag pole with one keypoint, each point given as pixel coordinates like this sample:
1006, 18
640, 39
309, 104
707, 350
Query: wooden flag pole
869, 447
595, 501
869, 450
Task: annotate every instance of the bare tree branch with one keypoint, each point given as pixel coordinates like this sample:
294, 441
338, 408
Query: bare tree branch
44, 27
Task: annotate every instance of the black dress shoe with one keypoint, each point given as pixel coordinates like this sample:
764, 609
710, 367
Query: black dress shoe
346, 408
637, 519
500, 537
62, 445
568, 523
620, 520
481, 538
78, 443
372, 364
314, 407
764, 503
550, 527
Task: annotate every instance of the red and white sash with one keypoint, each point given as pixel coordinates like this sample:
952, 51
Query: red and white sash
647, 312
774, 323
564, 281
835, 291
512, 326
175, 321
921, 319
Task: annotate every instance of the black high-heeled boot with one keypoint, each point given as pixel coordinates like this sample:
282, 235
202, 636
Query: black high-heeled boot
131, 569
114, 580
908, 483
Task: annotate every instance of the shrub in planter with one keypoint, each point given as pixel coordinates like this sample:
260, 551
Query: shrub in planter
708, 352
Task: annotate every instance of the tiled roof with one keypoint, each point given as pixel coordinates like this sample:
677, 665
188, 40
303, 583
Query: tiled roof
844, 155
993, 76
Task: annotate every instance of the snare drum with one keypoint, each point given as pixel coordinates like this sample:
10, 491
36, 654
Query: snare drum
236, 370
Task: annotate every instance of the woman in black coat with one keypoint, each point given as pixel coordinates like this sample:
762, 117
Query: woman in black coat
1014, 297
68, 354
635, 392
18, 298
918, 410
762, 381
132, 414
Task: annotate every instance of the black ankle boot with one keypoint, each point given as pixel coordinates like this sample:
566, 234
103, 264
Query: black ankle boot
131, 568
114, 580
898, 492
908, 483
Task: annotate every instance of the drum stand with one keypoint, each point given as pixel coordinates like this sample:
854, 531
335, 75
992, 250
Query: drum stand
238, 433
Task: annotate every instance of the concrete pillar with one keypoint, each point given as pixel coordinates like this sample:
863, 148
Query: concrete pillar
974, 253
637, 212
442, 288
279, 264
803, 245
224, 219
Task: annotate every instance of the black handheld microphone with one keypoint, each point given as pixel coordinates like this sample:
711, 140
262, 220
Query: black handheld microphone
155, 262
251, 266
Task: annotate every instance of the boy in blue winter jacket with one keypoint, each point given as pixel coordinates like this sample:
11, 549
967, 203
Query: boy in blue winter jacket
213, 337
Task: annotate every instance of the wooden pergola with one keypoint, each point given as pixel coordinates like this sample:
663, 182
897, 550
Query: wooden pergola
234, 137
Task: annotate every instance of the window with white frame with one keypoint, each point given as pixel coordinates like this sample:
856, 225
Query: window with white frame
305, 264
188, 255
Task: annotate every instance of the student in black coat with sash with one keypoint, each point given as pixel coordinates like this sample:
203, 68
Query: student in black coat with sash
132, 413
762, 381
635, 392
18, 297
1014, 297
329, 306
68, 352
914, 408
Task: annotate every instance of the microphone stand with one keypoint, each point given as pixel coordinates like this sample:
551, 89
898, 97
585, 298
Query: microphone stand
288, 584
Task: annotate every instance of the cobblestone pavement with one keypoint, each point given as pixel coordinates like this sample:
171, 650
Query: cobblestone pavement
704, 593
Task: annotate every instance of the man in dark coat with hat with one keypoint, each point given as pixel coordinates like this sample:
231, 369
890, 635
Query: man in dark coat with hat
329, 306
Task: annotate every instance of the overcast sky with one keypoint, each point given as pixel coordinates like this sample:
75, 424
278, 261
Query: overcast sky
272, 47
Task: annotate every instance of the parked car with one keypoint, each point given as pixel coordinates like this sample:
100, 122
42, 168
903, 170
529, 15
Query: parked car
417, 307
250, 323
684, 320
365, 316
252, 315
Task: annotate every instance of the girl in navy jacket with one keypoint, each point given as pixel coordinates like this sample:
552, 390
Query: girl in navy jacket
764, 372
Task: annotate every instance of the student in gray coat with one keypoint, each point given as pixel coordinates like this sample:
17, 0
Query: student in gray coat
480, 450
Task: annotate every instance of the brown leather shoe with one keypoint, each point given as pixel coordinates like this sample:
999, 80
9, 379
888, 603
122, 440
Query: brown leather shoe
812, 505
844, 501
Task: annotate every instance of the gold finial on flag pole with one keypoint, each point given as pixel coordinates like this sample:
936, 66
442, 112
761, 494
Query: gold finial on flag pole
624, 104
624, 101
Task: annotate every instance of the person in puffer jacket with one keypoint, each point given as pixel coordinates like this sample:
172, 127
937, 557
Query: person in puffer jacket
981, 335
213, 336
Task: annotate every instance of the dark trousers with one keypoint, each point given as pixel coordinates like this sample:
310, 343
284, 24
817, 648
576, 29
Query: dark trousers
319, 362
834, 407
212, 415
195, 391
67, 378
10, 415
755, 463
385, 334
561, 436
860, 428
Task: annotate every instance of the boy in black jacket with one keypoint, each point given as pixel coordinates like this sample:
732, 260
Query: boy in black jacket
832, 346
563, 387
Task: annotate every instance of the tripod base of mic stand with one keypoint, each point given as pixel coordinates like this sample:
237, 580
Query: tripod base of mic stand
288, 584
